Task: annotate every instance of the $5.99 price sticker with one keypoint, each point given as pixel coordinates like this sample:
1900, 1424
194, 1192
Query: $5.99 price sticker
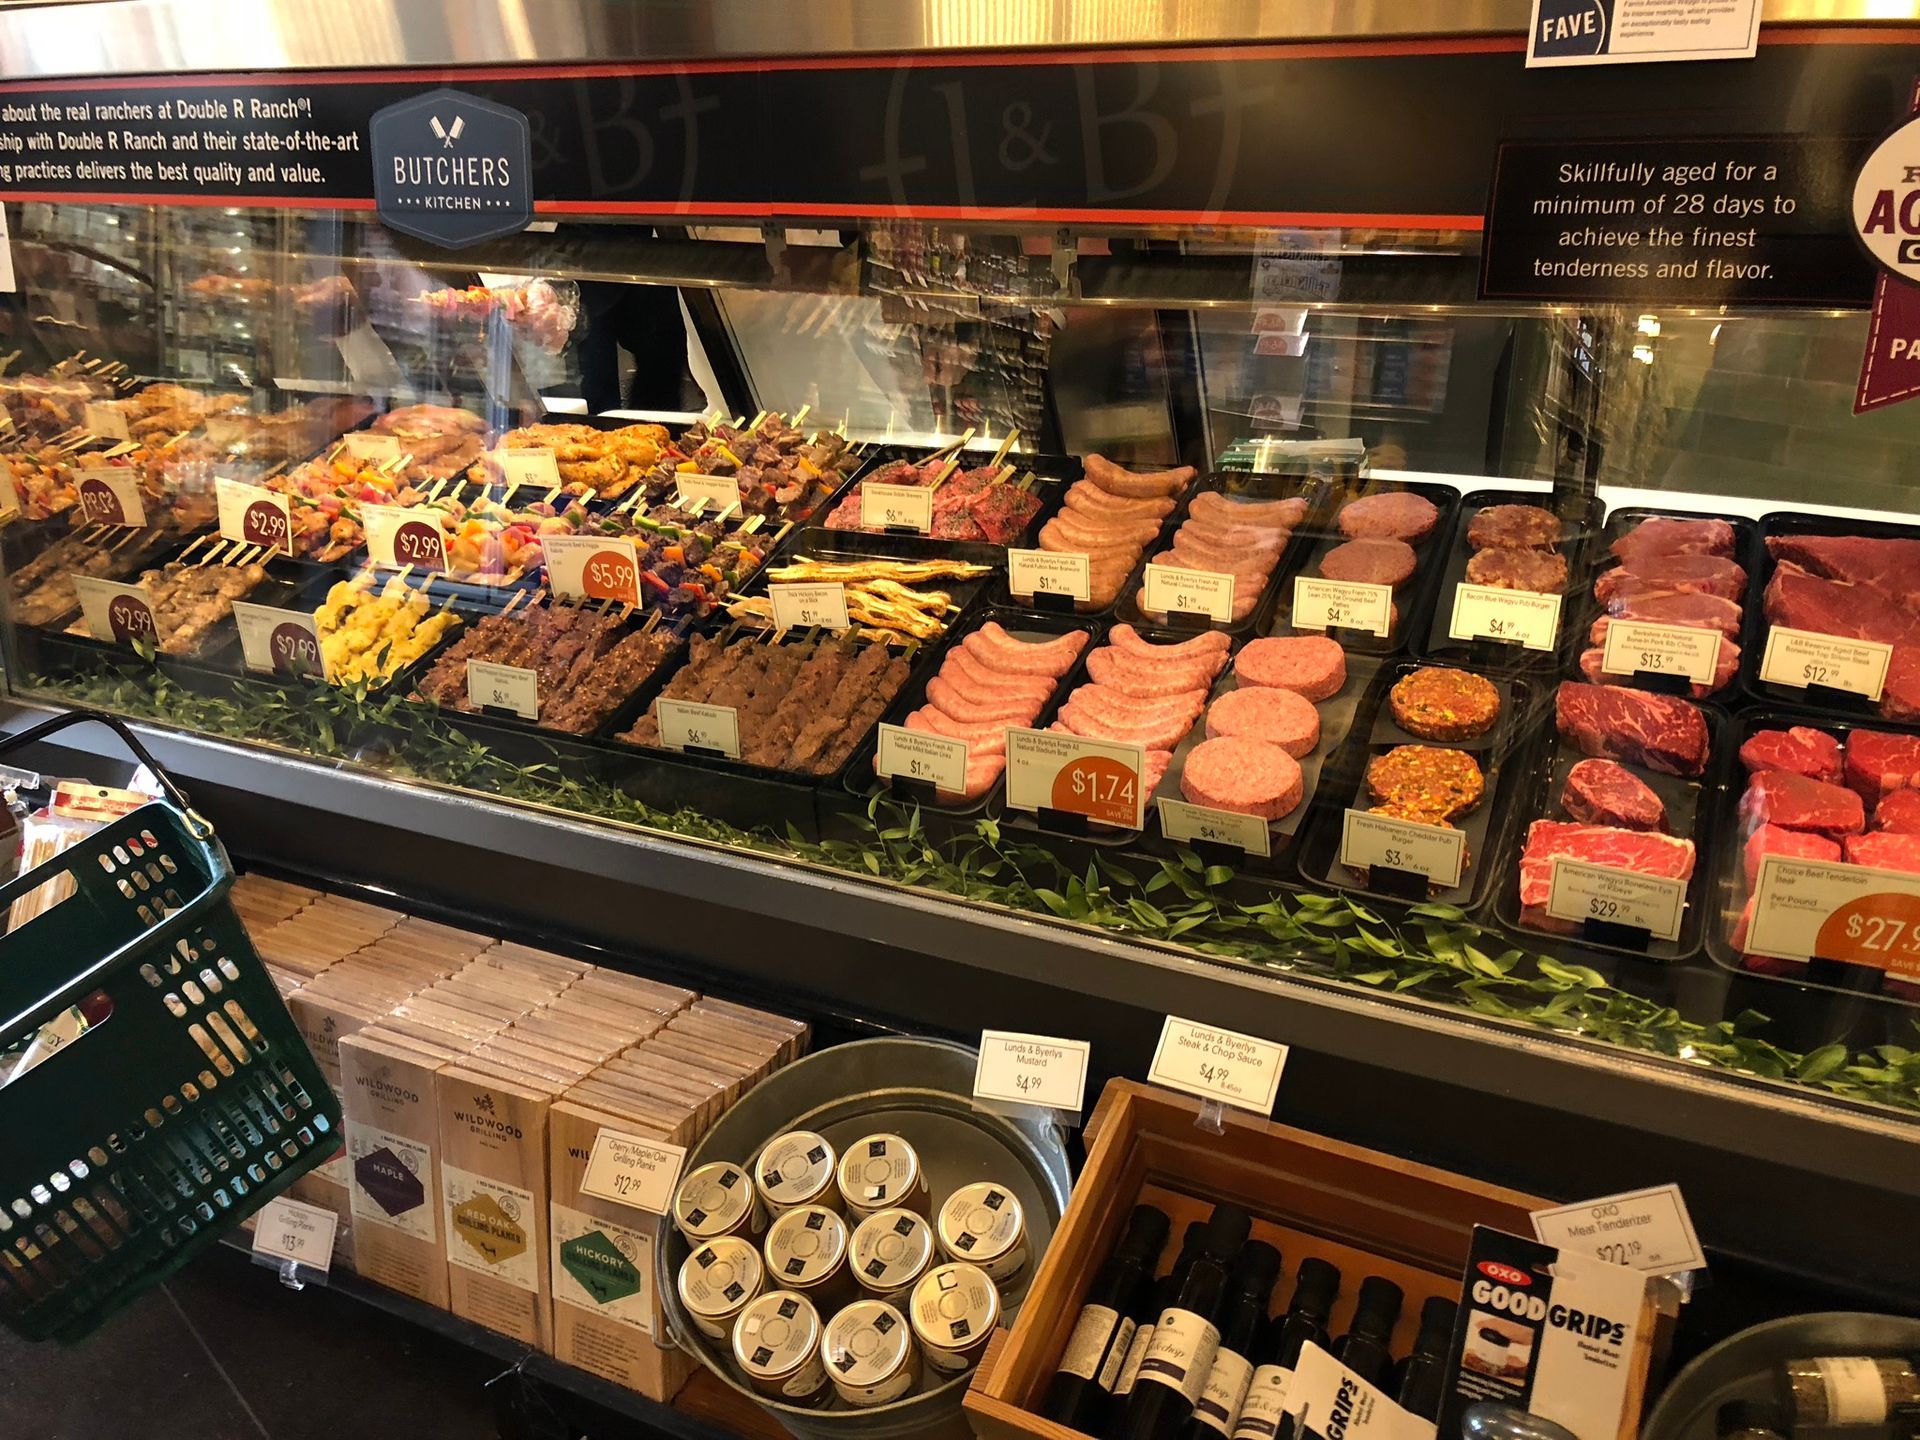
1850, 913
1099, 779
1216, 1064
1801, 658
1486, 612
629, 1170
398, 537
915, 755
592, 567
253, 515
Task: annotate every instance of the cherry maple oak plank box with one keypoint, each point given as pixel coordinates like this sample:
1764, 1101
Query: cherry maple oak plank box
1367, 1212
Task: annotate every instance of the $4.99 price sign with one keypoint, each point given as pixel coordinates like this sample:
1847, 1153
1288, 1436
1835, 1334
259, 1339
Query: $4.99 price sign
253, 515
1220, 1065
1850, 913
592, 567
1095, 778
629, 1170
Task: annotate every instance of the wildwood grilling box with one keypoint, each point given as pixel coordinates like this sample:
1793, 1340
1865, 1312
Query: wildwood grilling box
1366, 1212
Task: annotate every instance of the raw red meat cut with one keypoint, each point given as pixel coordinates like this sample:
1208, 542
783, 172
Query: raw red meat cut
1605, 792
1678, 607
1899, 812
1778, 840
1661, 535
1780, 797
1885, 850
1640, 851
1704, 574
1801, 749
1725, 666
1880, 762
1612, 722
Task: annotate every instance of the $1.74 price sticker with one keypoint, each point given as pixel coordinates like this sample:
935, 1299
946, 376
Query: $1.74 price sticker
1099, 779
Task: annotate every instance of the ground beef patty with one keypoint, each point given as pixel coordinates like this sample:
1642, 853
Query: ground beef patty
1395, 515
1376, 562
1260, 712
1439, 703
1507, 567
1426, 779
1526, 527
1312, 666
1250, 777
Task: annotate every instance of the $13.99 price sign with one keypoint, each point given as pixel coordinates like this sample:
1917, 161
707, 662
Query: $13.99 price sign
1099, 779
592, 567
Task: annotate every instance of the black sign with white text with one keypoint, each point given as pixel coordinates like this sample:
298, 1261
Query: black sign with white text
1749, 221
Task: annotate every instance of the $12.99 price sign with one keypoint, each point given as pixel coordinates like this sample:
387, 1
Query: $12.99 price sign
1095, 778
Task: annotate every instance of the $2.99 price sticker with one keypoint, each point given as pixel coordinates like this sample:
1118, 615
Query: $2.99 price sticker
1095, 778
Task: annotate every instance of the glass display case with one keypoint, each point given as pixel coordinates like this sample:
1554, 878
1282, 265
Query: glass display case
1092, 516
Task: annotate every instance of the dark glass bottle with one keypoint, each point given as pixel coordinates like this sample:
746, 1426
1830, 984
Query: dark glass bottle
1423, 1374
1264, 1416
1104, 1330
1249, 1293
1186, 1335
1157, 1296
1365, 1348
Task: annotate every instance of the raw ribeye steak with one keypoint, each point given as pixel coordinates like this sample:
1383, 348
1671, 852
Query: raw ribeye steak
1612, 722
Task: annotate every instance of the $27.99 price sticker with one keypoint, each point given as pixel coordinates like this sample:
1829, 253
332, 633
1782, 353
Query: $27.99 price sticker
1095, 778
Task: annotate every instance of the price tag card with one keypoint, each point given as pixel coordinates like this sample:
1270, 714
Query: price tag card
397, 536
1215, 1064
379, 449
279, 642
1486, 612
1099, 779
1801, 658
1434, 851
916, 755
1031, 1070
1850, 913
110, 495
813, 603
1580, 891
1634, 645
535, 468
687, 726
105, 419
117, 613
1647, 1230
629, 1170
1180, 821
288, 1230
1352, 604
504, 687
1046, 572
713, 492
253, 515
890, 507
1173, 591
592, 567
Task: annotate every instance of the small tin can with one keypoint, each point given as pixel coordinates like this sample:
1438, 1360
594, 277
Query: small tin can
776, 1344
954, 1310
870, 1355
715, 1200
882, 1172
982, 1225
716, 1282
891, 1251
806, 1253
796, 1169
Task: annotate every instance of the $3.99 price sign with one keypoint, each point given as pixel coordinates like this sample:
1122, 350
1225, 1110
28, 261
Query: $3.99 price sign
1099, 779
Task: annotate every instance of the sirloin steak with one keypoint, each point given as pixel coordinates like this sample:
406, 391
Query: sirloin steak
1640, 851
1605, 792
1612, 722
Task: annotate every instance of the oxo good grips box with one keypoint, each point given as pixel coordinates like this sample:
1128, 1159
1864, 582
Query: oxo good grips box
1566, 1336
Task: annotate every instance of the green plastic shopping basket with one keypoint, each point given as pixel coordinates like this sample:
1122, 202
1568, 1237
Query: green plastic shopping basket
183, 1110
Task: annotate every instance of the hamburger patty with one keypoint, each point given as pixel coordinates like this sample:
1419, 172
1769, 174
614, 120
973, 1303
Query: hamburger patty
1440, 703
1395, 515
1507, 567
1426, 780
1526, 527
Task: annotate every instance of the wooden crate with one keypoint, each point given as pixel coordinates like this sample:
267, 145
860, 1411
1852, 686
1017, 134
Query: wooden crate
1368, 1213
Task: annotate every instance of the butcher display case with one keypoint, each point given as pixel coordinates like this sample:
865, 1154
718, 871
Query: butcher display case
1346, 535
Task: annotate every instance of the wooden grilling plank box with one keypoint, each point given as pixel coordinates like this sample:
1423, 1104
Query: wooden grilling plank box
1367, 1212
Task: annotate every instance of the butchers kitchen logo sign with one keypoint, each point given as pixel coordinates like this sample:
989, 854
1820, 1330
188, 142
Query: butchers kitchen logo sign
452, 168
1886, 216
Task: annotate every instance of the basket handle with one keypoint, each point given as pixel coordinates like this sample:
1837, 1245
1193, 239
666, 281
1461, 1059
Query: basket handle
196, 823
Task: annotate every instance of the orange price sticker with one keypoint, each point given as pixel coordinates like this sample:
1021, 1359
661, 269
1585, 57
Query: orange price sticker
1880, 931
